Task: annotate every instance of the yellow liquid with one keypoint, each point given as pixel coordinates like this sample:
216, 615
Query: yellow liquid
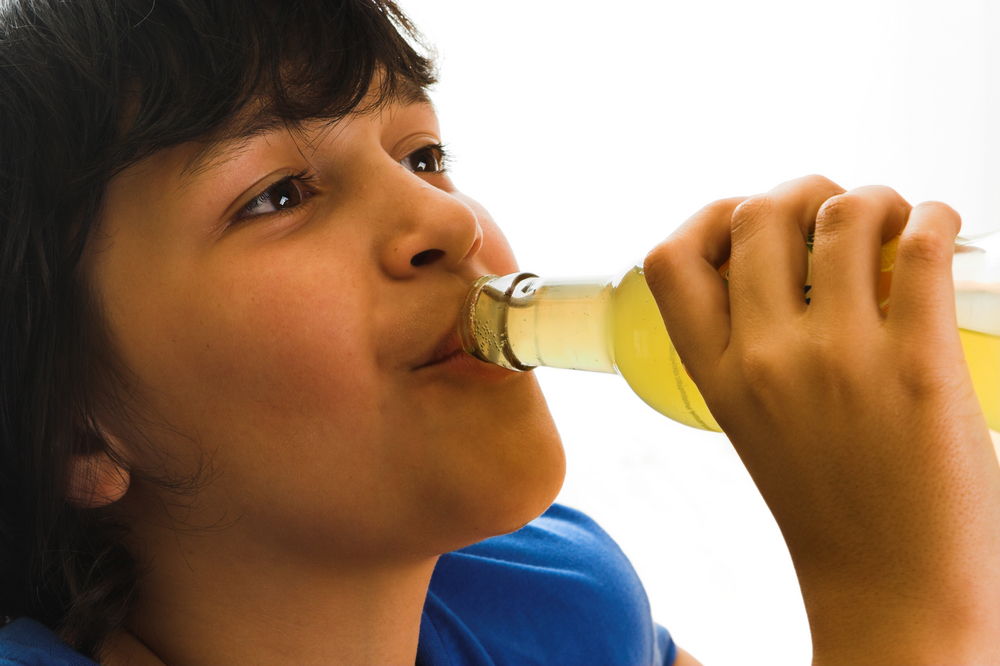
982, 353
594, 325
645, 357
563, 325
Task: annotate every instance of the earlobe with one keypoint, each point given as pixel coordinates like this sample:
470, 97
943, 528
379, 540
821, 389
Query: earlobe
95, 480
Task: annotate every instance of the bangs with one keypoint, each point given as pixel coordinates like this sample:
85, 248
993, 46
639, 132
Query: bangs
150, 74
225, 70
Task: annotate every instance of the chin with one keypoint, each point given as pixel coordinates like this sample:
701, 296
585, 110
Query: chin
515, 494
531, 495
534, 487
487, 472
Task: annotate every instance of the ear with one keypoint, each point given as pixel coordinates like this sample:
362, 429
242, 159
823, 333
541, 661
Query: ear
95, 480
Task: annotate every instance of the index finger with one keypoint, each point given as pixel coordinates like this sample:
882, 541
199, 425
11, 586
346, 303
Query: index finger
682, 274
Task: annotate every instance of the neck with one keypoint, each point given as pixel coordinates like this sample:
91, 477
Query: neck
214, 598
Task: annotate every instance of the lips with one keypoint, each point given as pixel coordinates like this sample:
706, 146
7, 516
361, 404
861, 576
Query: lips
449, 345
448, 355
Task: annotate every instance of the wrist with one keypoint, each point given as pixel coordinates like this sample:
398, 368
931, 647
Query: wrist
953, 619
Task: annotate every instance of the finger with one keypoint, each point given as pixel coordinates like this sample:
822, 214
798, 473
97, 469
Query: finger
767, 270
923, 291
682, 273
847, 250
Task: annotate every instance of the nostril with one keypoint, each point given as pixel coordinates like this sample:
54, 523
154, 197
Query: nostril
426, 257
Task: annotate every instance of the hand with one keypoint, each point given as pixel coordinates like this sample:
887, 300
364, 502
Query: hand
860, 428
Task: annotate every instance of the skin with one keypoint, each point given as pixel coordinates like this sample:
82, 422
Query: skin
872, 454
291, 354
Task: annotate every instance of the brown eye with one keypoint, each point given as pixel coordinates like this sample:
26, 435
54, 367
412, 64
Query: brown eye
429, 159
286, 193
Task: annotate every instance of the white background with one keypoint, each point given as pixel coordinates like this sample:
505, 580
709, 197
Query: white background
591, 130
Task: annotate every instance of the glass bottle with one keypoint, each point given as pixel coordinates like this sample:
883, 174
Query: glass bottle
520, 321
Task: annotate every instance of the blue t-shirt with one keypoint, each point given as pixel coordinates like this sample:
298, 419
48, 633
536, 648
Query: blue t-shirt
558, 591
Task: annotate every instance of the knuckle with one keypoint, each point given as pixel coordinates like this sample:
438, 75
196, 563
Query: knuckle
922, 245
817, 183
808, 191
756, 371
661, 265
762, 369
723, 206
809, 185
883, 192
937, 209
922, 380
841, 207
751, 214
884, 198
776, 371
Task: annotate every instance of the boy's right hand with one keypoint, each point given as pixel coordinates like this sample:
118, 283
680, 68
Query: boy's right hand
860, 428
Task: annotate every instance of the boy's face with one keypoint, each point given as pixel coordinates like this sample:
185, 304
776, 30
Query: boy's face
292, 335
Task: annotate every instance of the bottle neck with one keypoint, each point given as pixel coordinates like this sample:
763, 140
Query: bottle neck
521, 321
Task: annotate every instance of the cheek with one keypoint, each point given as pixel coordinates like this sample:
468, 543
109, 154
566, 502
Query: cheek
266, 362
284, 348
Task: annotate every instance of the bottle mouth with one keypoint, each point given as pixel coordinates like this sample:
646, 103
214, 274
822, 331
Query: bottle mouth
482, 325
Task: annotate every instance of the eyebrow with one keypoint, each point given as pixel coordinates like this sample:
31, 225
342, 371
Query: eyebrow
409, 92
216, 152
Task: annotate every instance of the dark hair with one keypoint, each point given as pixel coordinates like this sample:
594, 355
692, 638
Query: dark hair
88, 88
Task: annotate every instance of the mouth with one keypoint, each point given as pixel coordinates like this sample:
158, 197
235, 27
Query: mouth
448, 347
448, 358
449, 361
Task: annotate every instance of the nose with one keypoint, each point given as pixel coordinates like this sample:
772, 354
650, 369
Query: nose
429, 227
